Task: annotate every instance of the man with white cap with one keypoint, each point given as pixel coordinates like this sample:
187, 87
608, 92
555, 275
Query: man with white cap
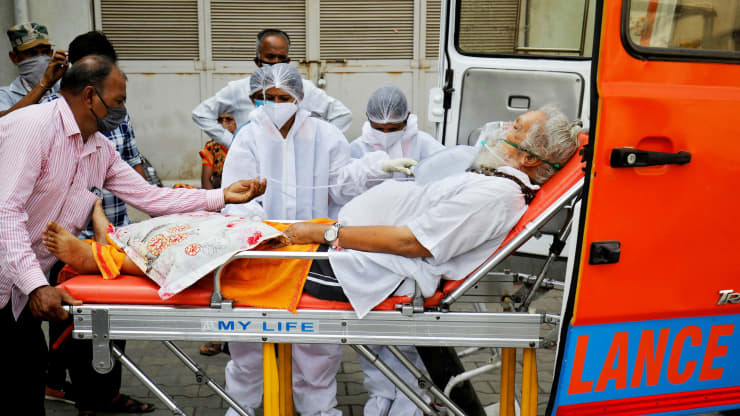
39, 69
272, 48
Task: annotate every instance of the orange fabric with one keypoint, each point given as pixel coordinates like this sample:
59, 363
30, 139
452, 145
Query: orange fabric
109, 259
269, 283
214, 155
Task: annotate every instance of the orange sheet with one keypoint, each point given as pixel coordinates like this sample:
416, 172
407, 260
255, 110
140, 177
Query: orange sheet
269, 283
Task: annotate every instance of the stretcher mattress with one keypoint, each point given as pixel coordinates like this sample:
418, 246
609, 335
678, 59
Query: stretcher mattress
138, 290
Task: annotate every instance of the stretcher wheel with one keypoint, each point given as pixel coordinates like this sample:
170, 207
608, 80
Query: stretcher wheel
443, 363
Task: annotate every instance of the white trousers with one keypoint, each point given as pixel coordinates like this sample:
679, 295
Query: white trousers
385, 398
315, 368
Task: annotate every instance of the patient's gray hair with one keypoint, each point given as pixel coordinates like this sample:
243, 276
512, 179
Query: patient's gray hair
555, 140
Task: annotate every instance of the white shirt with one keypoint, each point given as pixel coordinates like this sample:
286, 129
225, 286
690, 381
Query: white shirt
460, 219
299, 168
234, 99
414, 144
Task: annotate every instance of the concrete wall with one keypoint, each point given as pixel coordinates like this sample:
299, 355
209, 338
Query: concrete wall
8, 71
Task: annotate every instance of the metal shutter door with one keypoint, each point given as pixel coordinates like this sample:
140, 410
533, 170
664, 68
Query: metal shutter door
156, 29
380, 29
235, 24
432, 21
488, 26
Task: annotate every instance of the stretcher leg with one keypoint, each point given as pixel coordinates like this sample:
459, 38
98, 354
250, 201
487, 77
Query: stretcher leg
285, 373
529, 382
393, 377
508, 380
161, 395
202, 378
270, 380
424, 381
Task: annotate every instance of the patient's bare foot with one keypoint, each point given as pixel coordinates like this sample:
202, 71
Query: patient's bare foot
68, 248
100, 223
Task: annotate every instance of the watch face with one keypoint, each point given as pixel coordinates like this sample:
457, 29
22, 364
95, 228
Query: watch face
330, 234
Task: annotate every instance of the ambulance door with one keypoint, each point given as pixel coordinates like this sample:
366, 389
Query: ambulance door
501, 58
654, 326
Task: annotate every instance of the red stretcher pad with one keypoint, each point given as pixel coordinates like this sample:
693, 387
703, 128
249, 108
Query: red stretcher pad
136, 290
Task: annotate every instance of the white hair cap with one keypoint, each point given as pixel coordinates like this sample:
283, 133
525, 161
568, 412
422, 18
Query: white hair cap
283, 76
387, 105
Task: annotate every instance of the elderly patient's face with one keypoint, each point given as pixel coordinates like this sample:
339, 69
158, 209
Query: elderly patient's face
497, 152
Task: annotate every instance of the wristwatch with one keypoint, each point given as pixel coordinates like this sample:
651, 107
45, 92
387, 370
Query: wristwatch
332, 233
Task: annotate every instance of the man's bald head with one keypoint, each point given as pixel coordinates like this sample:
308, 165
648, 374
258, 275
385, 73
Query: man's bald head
91, 70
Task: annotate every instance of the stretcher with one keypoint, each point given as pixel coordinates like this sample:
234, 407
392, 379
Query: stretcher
129, 308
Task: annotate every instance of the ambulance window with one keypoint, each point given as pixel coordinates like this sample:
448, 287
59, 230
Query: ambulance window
560, 28
699, 28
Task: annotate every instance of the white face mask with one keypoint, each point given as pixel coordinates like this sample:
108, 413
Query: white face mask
32, 69
279, 113
386, 140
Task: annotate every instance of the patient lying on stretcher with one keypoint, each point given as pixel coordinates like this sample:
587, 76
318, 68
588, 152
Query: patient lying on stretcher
401, 233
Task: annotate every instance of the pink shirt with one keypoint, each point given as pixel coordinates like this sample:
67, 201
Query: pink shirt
47, 174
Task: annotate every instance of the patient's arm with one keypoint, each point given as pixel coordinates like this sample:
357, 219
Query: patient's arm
375, 238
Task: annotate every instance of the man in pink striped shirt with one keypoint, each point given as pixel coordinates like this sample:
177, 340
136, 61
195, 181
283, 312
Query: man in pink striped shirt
52, 157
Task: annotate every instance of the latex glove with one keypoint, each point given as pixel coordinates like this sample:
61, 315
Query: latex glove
402, 164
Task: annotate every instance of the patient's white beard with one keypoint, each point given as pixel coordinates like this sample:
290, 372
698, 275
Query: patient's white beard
489, 158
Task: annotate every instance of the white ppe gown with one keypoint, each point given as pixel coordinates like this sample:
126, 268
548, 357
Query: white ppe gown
303, 171
314, 154
414, 144
234, 99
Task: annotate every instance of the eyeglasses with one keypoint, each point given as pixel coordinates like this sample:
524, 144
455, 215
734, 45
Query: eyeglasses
516, 146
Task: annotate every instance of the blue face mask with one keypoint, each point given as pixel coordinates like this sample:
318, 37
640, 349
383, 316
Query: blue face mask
260, 103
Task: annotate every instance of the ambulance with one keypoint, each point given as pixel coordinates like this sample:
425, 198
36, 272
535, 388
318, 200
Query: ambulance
651, 313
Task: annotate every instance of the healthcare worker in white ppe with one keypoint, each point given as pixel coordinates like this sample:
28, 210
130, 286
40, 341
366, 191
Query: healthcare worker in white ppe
393, 129
272, 48
306, 162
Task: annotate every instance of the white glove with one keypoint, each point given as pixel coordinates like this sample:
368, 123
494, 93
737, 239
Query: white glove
399, 165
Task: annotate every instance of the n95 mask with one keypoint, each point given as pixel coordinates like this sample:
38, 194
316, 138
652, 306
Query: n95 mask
385, 140
279, 113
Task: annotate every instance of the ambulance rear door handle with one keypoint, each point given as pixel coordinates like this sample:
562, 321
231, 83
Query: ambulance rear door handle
627, 157
604, 252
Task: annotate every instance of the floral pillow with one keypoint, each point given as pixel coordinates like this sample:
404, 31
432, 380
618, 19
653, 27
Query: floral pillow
177, 250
